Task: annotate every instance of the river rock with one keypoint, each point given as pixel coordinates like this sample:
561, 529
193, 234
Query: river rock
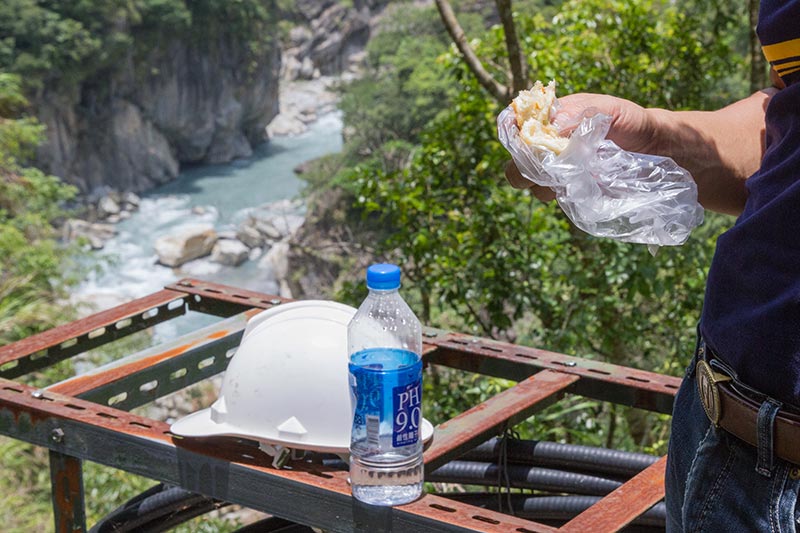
228, 234
299, 35
255, 253
250, 236
277, 261
131, 201
96, 234
266, 227
107, 206
230, 252
291, 68
285, 124
185, 244
306, 71
198, 268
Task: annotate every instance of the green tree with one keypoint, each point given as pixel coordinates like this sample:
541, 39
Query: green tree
485, 258
72, 41
32, 263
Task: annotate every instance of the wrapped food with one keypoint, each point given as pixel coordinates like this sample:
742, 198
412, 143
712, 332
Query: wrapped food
604, 190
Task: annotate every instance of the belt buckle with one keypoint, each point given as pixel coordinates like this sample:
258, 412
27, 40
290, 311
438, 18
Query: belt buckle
707, 381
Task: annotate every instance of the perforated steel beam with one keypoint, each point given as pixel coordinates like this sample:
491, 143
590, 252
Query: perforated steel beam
599, 380
223, 300
155, 372
76, 429
621, 506
462, 433
54, 345
225, 469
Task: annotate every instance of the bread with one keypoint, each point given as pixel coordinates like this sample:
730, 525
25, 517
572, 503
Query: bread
532, 111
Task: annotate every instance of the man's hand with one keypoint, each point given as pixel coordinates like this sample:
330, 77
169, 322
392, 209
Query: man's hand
631, 128
721, 149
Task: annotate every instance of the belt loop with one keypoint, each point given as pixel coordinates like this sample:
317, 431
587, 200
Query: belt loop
766, 435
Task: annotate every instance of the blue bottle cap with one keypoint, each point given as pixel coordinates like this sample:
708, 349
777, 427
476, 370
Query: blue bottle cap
383, 277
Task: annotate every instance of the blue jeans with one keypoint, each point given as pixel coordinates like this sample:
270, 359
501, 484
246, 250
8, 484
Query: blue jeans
711, 480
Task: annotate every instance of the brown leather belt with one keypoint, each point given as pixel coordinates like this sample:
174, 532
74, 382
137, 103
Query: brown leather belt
738, 414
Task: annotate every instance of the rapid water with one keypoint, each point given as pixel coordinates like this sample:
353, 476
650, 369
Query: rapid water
220, 195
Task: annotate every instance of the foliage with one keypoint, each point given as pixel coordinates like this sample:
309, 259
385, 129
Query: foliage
69, 45
70, 41
31, 262
404, 88
31, 283
480, 256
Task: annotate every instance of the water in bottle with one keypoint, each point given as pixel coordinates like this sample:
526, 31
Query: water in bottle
384, 343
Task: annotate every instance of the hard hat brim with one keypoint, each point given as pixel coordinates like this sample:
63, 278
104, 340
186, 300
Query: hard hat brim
200, 425
283, 349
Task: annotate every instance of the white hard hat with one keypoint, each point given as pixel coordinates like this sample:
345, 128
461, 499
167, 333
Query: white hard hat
287, 385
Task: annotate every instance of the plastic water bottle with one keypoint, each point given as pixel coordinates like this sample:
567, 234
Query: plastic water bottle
385, 343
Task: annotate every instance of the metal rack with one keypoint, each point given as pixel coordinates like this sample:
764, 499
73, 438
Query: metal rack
87, 418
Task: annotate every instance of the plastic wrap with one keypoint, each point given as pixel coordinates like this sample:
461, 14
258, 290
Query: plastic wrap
607, 191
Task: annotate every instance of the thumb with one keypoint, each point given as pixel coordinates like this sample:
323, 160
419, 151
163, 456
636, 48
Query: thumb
567, 119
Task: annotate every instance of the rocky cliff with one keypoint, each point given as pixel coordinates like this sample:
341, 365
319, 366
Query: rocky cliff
187, 101
329, 36
192, 98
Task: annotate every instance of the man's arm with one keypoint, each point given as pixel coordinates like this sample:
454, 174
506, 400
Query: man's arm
721, 149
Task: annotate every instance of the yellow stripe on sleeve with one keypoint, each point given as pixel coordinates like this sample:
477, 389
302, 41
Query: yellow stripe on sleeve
784, 50
789, 71
781, 67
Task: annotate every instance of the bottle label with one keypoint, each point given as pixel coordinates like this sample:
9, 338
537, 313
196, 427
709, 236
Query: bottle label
386, 394
407, 413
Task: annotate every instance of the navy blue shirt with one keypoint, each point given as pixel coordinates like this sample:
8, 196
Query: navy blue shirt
751, 315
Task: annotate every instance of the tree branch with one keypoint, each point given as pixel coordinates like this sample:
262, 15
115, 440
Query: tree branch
519, 78
500, 93
758, 65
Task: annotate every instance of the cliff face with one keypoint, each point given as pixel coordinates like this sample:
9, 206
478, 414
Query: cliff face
329, 36
187, 102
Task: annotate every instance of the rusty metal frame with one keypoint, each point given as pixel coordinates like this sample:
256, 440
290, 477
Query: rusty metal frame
87, 418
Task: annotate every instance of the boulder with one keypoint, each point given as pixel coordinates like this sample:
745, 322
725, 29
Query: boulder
267, 228
226, 234
250, 236
185, 244
284, 125
107, 206
96, 234
299, 35
276, 260
291, 67
255, 253
278, 220
306, 71
131, 201
230, 252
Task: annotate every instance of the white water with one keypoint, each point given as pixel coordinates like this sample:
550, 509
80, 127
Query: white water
223, 194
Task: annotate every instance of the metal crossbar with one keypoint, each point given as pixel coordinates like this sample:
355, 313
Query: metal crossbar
86, 418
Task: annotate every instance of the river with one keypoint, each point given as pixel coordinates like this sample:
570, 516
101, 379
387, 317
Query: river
220, 195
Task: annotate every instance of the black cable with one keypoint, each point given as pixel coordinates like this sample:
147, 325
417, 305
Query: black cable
572, 457
520, 476
157, 509
557, 508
